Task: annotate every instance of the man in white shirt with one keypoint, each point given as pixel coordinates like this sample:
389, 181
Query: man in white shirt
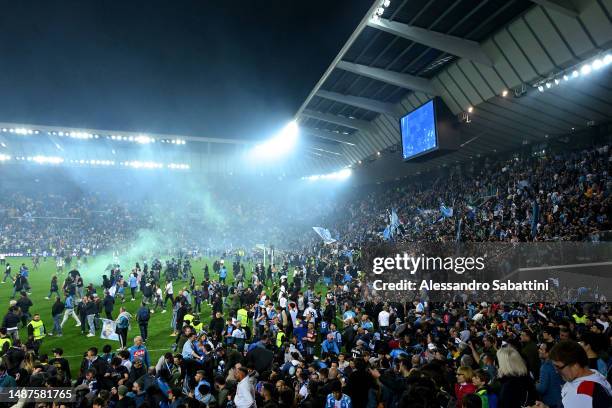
169, 293
383, 319
245, 393
583, 388
239, 332
310, 310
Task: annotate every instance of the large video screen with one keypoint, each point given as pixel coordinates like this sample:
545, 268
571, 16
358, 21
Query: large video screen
418, 129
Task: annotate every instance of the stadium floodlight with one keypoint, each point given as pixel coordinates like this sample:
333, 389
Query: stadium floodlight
607, 59
548, 85
557, 81
565, 78
5, 157
380, 11
386, 3
597, 64
504, 93
46, 159
142, 139
586, 69
280, 144
575, 73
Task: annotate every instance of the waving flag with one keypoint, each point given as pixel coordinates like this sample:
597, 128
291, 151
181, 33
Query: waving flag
324, 234
535, 216
387, 234
395, 222
447, 212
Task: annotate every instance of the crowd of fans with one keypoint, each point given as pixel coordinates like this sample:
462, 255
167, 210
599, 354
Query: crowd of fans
302, 335
494, 201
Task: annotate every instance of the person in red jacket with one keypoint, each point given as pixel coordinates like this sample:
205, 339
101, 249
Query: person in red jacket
464, 384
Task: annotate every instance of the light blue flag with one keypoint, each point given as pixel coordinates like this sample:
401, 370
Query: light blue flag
324, 234
387, 234
447, 212
395, 222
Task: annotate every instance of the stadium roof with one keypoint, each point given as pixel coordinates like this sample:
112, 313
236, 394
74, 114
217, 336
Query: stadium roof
488, 56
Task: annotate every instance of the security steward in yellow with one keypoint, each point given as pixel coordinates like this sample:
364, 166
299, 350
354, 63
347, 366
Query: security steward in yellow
36, 331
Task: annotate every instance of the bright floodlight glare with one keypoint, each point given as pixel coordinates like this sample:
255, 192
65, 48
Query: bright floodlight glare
337, 175
142, 139
387, 3
597, 63
47, 159
380, 11
548, 85
5, 157
575, 74
607, 59
557, 81
541, 88
280, 144
565, 78
586, 69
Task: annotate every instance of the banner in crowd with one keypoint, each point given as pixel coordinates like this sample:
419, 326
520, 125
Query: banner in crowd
324, 234
108, 330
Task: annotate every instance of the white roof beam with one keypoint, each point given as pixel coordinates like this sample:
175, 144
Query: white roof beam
320, 146
562, 6
338, 120
458, 46
390, 77
359, 102
336, 137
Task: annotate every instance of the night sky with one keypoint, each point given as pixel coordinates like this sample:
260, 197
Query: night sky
230, 69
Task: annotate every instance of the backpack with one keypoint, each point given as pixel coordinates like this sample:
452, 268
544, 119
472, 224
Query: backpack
144, 315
